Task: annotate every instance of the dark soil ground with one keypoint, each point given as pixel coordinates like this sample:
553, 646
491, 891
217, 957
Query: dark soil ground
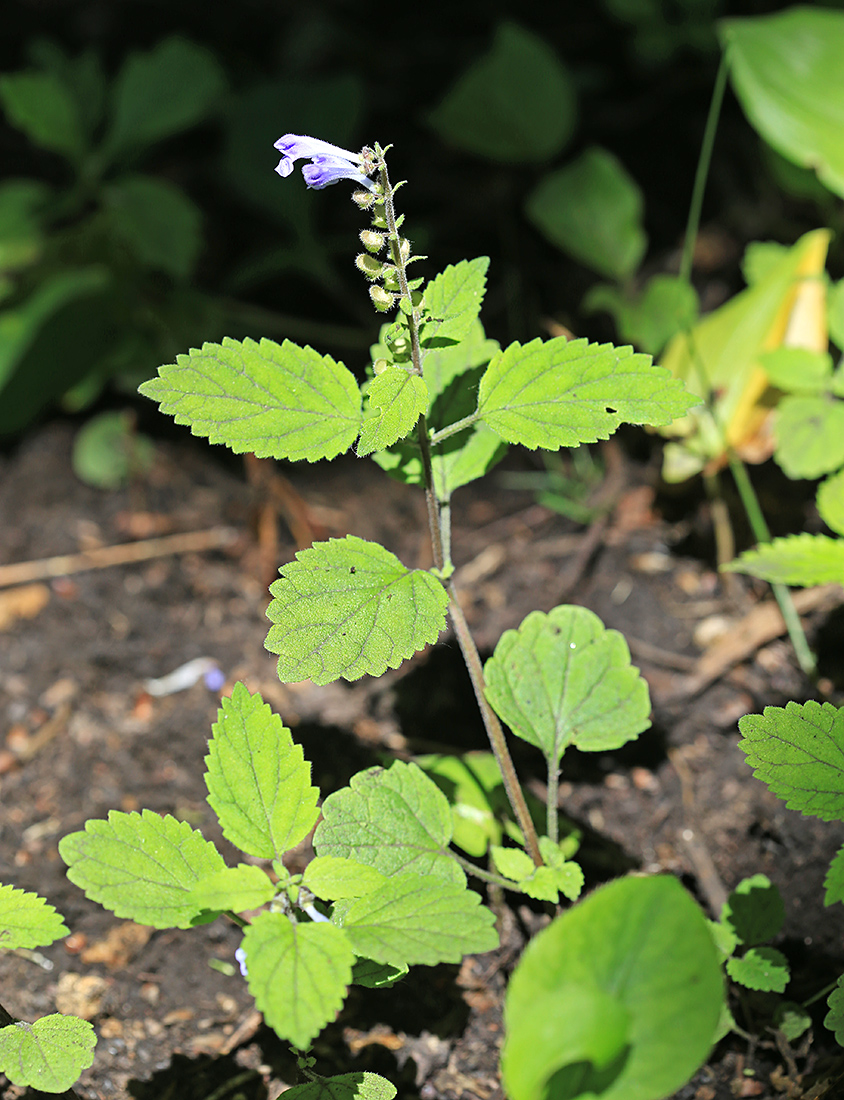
79, 736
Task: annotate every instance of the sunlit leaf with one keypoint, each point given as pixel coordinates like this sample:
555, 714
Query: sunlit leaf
48, 1055
26, 920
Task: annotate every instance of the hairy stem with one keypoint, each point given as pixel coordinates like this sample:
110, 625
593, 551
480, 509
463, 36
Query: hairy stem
552, 797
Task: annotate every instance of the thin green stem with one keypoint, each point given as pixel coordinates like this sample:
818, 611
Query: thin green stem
453, 429
487, 876
704, 160
821, 993
552, 797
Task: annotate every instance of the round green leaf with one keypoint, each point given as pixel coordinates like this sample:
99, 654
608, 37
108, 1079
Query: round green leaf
48, 1055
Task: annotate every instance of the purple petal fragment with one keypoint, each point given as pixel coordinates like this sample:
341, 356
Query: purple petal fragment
329, 163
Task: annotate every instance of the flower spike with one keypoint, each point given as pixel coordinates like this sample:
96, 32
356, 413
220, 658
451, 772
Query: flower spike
329, 163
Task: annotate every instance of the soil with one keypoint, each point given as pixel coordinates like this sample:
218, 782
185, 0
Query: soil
80, 735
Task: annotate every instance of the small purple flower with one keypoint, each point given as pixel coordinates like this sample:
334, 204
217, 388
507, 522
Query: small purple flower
329, 163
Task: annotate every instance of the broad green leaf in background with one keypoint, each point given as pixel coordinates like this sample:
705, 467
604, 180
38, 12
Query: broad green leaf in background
516, 104
394, 820
157, 221
346, 1086
667, 305
240, 889
159, 93
560, 393
760, 258
563, 679
259, 784
141, 866
396, 399
784, 307
834, 881
798, 370
373, 975
798, 751
331, 877
474, 789
20, 224
760, 968
298, 974
82, 76
835, 305
107, 451
414, 919
592, 210
786, 71
834, 1019
809, 434
619, 996
39, 104
278, 401
800, 560
792, 1020
48, 1055
27, 920
754, 910
453, 298
348, 607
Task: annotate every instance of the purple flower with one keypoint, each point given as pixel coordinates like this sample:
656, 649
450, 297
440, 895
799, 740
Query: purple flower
329, 163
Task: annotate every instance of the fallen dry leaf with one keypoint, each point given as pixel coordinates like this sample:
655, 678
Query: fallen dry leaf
22, 603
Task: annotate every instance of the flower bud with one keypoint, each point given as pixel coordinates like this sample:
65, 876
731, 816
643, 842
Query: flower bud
372, 241
372, 268
379, 366
391, 279
364, 199
381, 299
404, 248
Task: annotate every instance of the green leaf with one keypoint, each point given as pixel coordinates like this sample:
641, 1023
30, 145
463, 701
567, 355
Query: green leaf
761, 968
157, 221
331, 877
667, 305
563, 679
373, 975
394, 820
621, 995
512, 862
834, 881
592, 209
835, 313
453, 300
474, 789
809, 434
278, 401
754, 910
442, 366
798, 751
259, 784
298, 974
797, 370
830, 502
141, 866
834, 1019
543, 883
396, 399
560, 393
761, 259
792, 1020
107, 451
81, 75
238, 888
346, 1086
20, 222
796, 559
725, 938
516, 104
26, 920
39, 104
413, 919
786, 71
48, 1055
159, 93
348, 607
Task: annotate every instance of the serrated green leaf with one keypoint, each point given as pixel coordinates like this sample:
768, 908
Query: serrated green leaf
834, 1019
830, 502
792, 1020
834, 881
414, 919
754, 910
298, 974
346, 1086
786, 71
39, 104
797, 370
48, 1055
27, 920
441, 366
762, 968
348, 607
592, 209
725, 938
156, 94
278, 401
157, 221
394, 820
331, 877
373, 975
396, 399
802, 560
239, 889
798, 750
563, 679
629, 982
453, 300
809, 434
515, 104
512, 862
560, 393
141, 866
259, 783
